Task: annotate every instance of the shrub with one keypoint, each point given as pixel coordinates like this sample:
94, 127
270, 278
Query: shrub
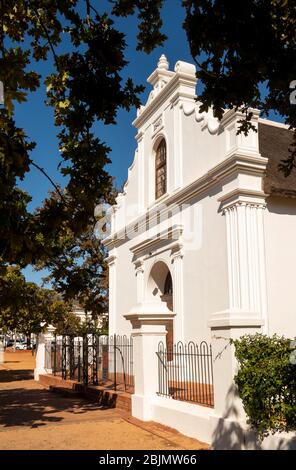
266, 382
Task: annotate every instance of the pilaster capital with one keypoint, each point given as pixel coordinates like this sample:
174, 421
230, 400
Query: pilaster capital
139, 266
177, 251
235, 319
111, 258
140, 136
242, 197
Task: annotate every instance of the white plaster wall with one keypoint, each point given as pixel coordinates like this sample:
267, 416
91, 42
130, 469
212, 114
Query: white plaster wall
280, 236
204, 267
190, 419
128, 207
149, 142
125, 292
205, 270
201, 150
201, 423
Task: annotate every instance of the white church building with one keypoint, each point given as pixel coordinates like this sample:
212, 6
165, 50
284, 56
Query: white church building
206, 223
201, 246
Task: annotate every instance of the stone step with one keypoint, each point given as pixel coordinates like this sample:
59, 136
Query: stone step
104, 396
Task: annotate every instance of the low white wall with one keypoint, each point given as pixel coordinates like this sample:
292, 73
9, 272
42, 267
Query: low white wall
190, 419
229, 434
201, 423
280, 441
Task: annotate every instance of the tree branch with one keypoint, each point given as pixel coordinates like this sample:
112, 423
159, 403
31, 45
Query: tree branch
56, 59
87, 12
92, 8
49, 178
211, 74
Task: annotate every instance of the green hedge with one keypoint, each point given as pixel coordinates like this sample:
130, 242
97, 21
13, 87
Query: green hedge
266, 382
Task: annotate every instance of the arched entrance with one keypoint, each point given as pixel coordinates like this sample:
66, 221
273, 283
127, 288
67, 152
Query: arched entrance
160, 286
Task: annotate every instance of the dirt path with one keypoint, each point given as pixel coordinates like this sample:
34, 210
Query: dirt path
31, 417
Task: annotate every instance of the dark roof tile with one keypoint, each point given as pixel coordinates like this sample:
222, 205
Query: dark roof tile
274, 143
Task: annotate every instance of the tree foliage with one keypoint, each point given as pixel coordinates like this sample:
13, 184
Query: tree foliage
84, 86
81, 272
69, 324
245, 54
72, 325
25, 307
266, 382
240, 48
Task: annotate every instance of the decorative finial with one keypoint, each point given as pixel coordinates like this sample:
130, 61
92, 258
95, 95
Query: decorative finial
163, 63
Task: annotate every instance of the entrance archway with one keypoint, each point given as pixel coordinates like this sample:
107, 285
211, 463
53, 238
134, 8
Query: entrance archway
160, 286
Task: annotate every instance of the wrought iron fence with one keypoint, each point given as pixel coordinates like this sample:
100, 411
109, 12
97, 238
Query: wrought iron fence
93, 359
185, 372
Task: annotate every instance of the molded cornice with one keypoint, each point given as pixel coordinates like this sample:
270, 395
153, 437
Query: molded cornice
248, 163
163, 238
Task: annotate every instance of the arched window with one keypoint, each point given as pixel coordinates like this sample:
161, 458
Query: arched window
160, 170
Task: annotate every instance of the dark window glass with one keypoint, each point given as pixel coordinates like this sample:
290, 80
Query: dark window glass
160, 170
168, 285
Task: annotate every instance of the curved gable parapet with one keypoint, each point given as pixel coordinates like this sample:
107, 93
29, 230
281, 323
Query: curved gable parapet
195, 142
129, 172
167, 83
207, 119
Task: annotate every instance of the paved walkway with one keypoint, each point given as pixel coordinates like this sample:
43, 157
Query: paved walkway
31, 417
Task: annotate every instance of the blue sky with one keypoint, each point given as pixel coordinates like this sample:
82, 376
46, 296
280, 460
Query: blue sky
37, 119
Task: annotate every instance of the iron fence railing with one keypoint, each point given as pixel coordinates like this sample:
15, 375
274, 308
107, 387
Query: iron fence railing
185, 372
93, 359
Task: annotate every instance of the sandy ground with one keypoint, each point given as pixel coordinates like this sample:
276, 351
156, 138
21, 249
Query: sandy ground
31, 417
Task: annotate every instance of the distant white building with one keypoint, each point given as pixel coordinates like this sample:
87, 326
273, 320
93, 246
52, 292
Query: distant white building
83, 316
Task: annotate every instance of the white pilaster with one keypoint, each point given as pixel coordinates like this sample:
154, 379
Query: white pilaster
141, 171
246, 258
178, 292
139, 269
228, 421
111, 260
113, 219
148, 321
178, 147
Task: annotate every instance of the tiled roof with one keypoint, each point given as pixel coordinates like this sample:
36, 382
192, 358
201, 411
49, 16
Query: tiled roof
274, 143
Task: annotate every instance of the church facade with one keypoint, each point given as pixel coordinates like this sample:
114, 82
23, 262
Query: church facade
201, 252
205, 225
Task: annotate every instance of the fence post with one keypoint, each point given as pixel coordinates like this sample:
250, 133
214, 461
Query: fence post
55, 355
85, 359
148, 321
40, 352
229, 419
79, 360
1, 352
114, 360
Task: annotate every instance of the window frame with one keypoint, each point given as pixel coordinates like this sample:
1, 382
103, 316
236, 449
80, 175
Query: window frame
160, 163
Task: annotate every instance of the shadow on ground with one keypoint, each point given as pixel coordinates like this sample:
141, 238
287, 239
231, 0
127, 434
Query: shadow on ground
26, 404
15, 375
